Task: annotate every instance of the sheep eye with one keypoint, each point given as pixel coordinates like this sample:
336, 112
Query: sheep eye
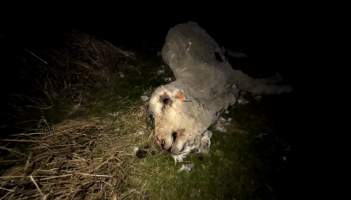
165, 99
174, 135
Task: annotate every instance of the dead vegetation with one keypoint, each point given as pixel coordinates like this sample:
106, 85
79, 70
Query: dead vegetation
67, 71
85, 60
75, 159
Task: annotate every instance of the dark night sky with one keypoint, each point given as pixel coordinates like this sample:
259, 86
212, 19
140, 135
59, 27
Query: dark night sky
276, 36
272, 37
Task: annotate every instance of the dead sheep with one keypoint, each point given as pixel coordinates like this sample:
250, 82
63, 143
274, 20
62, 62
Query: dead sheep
205, 86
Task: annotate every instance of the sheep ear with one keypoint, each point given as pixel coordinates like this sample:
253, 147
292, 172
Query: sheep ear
180, 95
